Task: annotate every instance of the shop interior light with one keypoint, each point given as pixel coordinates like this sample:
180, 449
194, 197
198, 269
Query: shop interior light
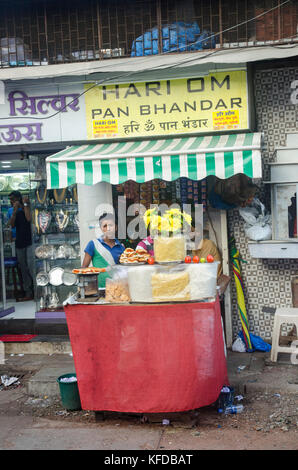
5, 162
6, 166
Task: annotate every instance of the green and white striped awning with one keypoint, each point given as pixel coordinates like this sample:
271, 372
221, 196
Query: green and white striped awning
167, 159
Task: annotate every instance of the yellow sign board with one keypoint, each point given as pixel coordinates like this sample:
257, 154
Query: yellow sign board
104, 128
216, 102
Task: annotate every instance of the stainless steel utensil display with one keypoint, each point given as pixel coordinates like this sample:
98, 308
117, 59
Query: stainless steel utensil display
55, 276
42, 278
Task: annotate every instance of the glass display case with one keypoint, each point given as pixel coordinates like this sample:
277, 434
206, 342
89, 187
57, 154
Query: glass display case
56, 242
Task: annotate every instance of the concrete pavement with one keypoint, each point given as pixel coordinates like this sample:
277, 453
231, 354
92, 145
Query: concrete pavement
43, 365
22, 428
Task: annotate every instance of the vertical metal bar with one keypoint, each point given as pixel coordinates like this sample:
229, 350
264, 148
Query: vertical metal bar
296, 212
71, 57
159, 26
220, 24
279, 21
46, 29
2, 263
38, 38
99, 30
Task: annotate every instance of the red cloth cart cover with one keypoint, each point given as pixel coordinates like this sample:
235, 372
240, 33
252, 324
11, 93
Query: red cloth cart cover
147, 358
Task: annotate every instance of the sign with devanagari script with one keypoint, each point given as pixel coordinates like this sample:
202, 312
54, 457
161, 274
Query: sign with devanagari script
40, 114
203, 104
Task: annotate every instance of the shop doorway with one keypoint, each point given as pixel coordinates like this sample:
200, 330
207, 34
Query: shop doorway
14, 176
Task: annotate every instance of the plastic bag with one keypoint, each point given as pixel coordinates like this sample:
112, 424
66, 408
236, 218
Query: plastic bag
238, 345
117, 286
175, 37
203, 280
258, 344
257, 225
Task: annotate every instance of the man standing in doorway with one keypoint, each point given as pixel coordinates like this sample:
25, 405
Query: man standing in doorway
21, 221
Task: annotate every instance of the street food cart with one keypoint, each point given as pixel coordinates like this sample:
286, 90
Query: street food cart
161, 348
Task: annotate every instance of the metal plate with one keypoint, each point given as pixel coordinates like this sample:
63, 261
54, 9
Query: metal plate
42, 278
55, 276
69, 278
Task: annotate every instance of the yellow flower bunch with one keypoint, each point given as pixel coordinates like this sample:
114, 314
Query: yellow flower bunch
171, 221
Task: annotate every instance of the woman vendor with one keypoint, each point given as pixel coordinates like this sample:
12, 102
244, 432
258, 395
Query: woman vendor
104, 251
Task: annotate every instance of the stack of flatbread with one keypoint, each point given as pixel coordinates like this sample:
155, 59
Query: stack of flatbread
130, 256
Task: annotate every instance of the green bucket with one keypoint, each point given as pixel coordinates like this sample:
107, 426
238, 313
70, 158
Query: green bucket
69, 392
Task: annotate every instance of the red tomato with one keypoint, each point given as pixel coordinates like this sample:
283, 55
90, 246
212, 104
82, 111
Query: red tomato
196, 259
151, 260
187, 259
210, 259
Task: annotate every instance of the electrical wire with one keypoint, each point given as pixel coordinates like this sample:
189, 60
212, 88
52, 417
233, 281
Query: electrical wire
97, 83
107, 80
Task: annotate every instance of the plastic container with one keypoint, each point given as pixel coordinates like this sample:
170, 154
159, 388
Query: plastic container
233, 409
203, 279
169, 249
69, 393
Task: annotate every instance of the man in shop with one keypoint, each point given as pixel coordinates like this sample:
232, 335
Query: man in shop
106, 250
21, 221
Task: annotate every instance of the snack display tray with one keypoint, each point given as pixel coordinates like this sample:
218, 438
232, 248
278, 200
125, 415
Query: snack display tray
168, 262
133, 264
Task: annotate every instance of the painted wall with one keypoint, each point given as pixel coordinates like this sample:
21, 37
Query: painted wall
267, 281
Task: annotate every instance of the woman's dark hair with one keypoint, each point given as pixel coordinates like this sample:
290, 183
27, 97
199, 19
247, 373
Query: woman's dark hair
107, 216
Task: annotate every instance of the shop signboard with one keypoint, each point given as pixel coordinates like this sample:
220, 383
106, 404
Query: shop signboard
46, 112
42, 113
215, 102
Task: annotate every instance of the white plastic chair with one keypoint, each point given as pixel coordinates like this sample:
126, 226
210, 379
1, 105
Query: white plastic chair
283, 315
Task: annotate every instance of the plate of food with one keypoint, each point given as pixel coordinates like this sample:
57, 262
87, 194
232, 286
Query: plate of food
90, 270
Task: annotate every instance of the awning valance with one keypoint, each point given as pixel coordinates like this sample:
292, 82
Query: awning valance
167, 159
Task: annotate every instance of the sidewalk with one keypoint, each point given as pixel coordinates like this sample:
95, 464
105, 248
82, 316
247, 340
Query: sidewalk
247, 372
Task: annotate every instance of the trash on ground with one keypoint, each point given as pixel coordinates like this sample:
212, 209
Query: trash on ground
239, 397
7, 381
238, 345
233, 409
226, 398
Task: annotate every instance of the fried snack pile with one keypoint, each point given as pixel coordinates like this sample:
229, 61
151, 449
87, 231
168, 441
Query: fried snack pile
130, 256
